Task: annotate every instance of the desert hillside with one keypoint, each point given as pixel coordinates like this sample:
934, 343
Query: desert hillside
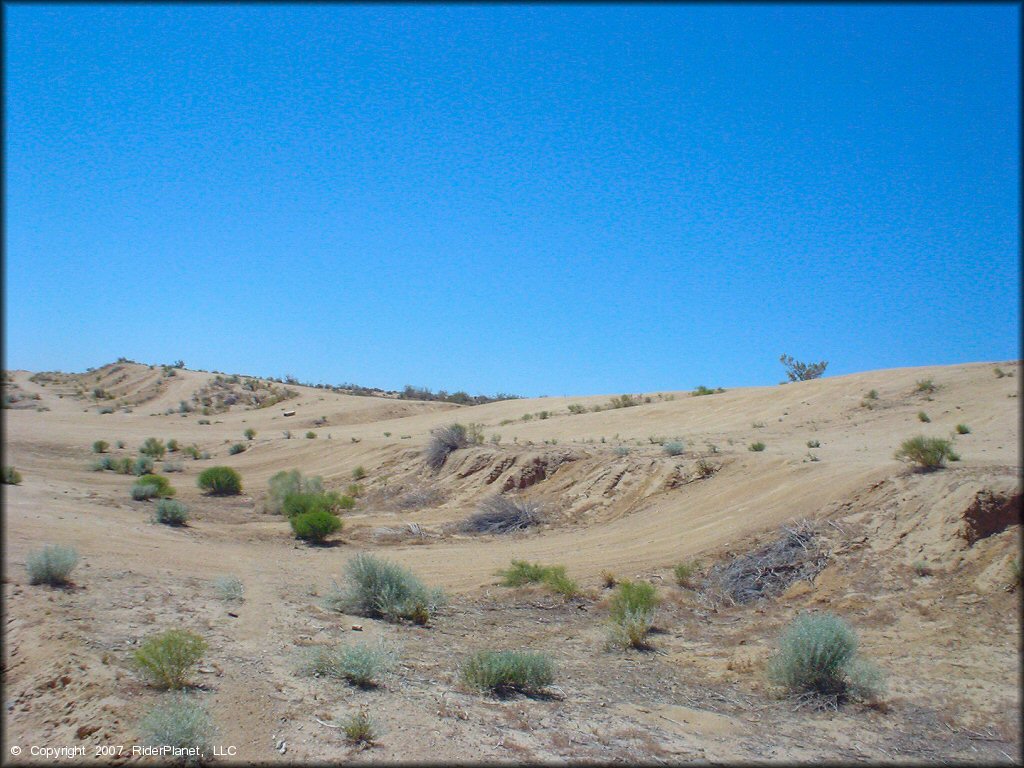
920, 563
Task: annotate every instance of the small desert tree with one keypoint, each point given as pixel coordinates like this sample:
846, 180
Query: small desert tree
798, 371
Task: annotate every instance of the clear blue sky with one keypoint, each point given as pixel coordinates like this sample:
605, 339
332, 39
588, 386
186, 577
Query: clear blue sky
530, 199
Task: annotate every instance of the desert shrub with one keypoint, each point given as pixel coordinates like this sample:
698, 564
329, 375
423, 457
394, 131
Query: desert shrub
375, 587
818, 655
286, 483
311, 435
51, 565
576, 409
672, 449
359, 664
608, 579
99, 464
684, 573
105, 410
170, 512
172, 466
872, 394
315, 526
925, 385
161, 483
798, 371
123, 466
220, 481
236, 448
100, 446
621, 450
143, 465
172, 446
705, 468
702, 390
551, 576
502, 514
204, 455
153, 448
756, 447
358, 473
181, 722
963, 429
926, 452
359, 728
249, 434
505, 672
304, 503
1016, 572
353, 491
11, 476
632, 596
192, 451
922, 416
443, 441
143, 492
229, 588
120, 443
623, 401
167, 658
921, 568
813, 443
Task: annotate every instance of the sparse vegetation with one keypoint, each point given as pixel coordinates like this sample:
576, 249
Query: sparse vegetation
553, 577
506, 672
798, 371
442, 442
229, 589
12, 476
632, 609
311, 435
963, 429
286, 483
161, 486
180, 722
624, 401
315, 526
926, 452
249, 433
172, 446
921, 568
701, 391
359, 664
153, 448
922, 416
684, 573
756, 447
170, 512
576, 409
673, 448
51, 565
143, 465
220, 481
813, 444
818, 655
378, 588
100, 446
358, 473
503, 514
359, 728
167, 658
237, 448
143, 492
872, 394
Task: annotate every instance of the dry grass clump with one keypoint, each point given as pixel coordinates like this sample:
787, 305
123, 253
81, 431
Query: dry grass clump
167, 658
443, 441
229, 589
359, 664
378, 588
359, 728
632, 609
817, 657
180, 722
170, 512
507, 672
502, 514
684, 573
51, 565
553, 577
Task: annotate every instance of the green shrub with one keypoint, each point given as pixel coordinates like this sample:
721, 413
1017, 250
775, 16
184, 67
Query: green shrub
872, 395
289, 482
161, 483
250, 433
631, 629
922, 416
170, 512
220, 481
358, 728
926, 385
927, 452
757, 447
167, 658
442, 442
143, 465
153, 448
143, 492
12, 476
323, 501
358, 664
172, 445
818, 654
798, 371
192, 451
632, 596
813, 443
229, 588
354, 491
314, 526
551, 576
51, 565
179, 722
673, 448
379, 588
120, 443
702, 390
623, 401
358, 473
172, 466
311, 435
505, 672
684, 573
123, 466
963, 429
236, 448
100, 446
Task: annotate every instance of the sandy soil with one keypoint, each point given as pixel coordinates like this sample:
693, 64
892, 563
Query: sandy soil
949, 642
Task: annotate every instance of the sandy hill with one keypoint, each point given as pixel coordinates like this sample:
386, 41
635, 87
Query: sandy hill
630, 490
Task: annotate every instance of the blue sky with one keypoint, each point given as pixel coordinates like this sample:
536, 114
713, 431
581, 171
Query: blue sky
563, 199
